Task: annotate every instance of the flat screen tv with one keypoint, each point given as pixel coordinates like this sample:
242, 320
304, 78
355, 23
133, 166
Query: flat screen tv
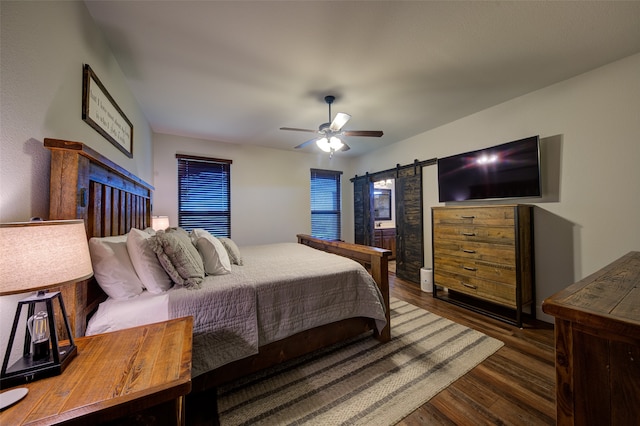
509, 170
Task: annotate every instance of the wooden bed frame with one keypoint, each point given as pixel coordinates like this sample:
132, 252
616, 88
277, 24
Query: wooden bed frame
86, 185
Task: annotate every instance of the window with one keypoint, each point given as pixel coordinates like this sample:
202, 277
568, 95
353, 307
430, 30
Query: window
204, 194
325, 204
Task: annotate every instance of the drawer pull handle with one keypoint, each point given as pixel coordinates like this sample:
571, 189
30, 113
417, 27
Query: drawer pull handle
469, 285
469, 234
469, 268
468, 251
468, 217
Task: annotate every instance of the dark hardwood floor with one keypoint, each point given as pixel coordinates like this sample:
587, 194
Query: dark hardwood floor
514, 386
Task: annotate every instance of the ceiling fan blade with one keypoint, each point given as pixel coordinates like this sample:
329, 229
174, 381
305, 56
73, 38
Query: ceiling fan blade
369, 133
303, 144
339, 121
345, 147
298, 130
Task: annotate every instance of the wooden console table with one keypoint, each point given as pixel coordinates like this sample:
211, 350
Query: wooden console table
597, 334
114, 375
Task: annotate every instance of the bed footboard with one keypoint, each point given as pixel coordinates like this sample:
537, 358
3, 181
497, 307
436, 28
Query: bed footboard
374, 259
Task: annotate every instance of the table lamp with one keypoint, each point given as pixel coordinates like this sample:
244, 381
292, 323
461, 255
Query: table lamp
159, 223
36, 256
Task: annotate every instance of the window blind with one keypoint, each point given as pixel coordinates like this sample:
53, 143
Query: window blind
325, 204
204, 194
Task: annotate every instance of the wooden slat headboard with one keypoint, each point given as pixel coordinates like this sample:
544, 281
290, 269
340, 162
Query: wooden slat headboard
86, 185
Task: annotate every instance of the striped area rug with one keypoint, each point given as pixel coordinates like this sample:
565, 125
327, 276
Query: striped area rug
361, 382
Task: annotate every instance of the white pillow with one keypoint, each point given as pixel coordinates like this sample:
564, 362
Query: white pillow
112, 267
146, 263
214, 255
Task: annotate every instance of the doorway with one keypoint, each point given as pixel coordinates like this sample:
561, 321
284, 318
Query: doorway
384, 215
407, 216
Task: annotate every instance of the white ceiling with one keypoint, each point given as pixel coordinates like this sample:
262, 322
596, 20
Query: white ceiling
237, 71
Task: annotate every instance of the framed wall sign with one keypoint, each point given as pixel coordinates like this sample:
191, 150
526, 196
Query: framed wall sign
101, 112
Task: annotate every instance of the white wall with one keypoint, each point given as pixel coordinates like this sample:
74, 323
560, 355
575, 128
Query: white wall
590, 130
270, 200
43, 48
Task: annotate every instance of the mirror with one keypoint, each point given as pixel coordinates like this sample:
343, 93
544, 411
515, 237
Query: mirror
382, 204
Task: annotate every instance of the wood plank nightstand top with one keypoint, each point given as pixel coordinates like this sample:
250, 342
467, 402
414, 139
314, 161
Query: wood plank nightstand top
115, 374
608, 300
597, 339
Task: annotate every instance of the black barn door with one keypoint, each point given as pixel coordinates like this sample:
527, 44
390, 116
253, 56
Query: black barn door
362, 210
409, 226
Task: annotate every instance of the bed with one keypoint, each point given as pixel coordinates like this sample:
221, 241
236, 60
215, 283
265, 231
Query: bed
112, 201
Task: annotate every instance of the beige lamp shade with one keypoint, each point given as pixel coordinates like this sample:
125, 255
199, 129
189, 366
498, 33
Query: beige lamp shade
159, 223
40, 255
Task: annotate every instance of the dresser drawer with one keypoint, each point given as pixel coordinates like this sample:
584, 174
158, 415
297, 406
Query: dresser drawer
503, 273
485, 234
501, 216
493, 253
500, 293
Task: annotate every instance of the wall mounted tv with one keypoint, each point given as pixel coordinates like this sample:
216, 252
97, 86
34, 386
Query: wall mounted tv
509, 170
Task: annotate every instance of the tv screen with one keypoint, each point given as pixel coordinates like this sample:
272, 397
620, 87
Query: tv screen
508, 170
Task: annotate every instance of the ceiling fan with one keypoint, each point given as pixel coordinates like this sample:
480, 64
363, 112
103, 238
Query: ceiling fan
330, 139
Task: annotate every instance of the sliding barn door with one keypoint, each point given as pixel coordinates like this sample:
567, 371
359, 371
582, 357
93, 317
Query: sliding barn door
362, 210
409, 226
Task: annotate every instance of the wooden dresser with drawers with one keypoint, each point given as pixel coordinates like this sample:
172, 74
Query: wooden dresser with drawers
483, 258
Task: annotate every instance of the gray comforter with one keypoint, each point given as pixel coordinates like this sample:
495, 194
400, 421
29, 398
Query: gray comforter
280, 290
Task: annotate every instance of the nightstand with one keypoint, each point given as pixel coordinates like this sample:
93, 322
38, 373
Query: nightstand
115, 375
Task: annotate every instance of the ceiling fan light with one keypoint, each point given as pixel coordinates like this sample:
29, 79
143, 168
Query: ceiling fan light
340, 120
335, 143
323, 144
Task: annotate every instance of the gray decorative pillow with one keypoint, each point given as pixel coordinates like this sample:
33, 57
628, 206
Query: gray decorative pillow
232, 250
179, 257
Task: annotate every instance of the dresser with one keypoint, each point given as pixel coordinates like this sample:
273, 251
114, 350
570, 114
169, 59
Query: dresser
483, 258
597, 336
